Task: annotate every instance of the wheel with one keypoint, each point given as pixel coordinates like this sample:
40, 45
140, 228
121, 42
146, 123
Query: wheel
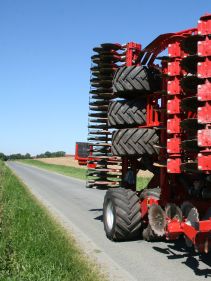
127, 113
134, 142
134, 80
121, 214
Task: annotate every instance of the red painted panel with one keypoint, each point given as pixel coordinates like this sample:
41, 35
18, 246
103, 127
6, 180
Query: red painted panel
204, 137
204, 48
173, 165
204, 25
204, 113
173, 106
204, 91
173, 87
173, 145
174, 50
173, 126
174, 68
204, 161
204, 69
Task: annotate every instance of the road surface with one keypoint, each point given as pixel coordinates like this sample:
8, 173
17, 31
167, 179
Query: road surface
80, 209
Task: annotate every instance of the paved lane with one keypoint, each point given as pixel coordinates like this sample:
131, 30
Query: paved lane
80, 209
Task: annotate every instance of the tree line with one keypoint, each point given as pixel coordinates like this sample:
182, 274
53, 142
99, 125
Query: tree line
18, 156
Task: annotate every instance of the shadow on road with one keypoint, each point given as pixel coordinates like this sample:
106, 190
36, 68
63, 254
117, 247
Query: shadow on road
179, 250
99, 217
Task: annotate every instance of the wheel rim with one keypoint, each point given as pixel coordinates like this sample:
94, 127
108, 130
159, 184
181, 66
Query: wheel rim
110, 215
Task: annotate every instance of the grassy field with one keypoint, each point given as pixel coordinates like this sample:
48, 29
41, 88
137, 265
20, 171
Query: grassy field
75, 172
33, 247
65, 170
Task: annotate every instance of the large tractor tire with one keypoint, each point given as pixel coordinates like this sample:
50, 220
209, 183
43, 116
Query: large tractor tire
135, 80
135, 142
121, 214
128, 113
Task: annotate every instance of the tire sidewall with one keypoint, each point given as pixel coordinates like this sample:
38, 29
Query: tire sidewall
110, 233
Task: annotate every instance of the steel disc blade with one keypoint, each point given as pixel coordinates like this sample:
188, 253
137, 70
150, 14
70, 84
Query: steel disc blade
189, 104
157, 219
189, 44
98, 126
208, 214
96, 60
148, 234
190, 64
186, 207
99, 102
193, 218
173, 212
190, 167
190, 124
190, 145
98, 114
101, 90
108, 70
113, 46
190, 83
107, 65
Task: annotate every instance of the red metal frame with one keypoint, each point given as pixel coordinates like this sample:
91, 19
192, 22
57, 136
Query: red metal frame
173, 134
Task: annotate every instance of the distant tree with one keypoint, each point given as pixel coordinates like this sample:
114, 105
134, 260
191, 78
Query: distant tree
49, 154
27, 156
3, 157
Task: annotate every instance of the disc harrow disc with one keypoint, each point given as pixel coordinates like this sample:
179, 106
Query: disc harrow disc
98, 108
186, 207
98, 114
190, 145
102, 83
173, 212
109, 70
189, 44
190, 167
109, 46
107, 65
99, 102
157, 219
193, 218
190, 83
189, 104
98, 126
98, 121
190, 124
190, 63
101, 90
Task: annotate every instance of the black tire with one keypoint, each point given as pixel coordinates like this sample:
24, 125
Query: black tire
124, 205
134, 142
129, 113
135, 80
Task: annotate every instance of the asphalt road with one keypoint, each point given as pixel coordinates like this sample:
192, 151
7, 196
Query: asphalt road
80, 209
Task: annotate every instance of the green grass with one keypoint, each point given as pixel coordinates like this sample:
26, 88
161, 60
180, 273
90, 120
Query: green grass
142, 183
65, 170
76, 172
33, 247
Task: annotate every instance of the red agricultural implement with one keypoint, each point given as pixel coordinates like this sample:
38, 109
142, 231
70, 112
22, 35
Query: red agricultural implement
81, 153
153, 112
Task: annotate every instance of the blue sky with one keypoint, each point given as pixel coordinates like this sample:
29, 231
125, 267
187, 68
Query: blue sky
45, 49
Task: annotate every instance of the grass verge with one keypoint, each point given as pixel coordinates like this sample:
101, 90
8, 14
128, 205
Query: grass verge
65, 170
76, 172
32, 245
